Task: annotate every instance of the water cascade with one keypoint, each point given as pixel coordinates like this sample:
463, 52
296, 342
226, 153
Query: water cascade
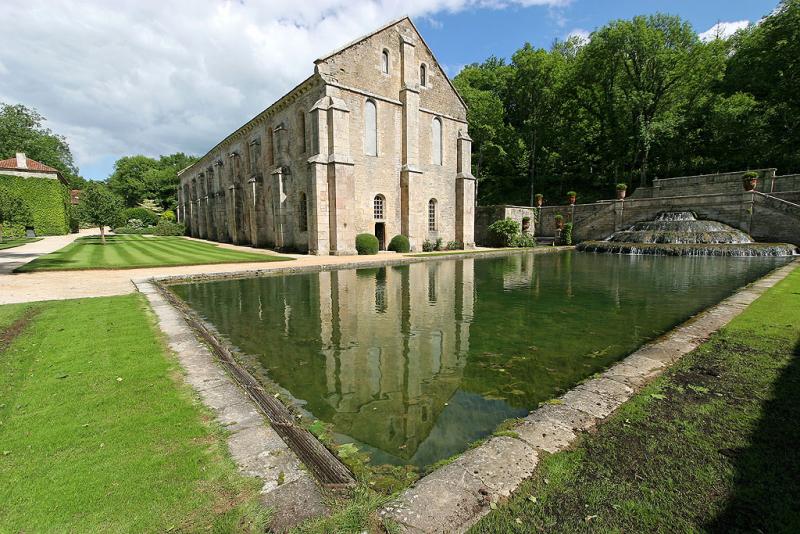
679, 233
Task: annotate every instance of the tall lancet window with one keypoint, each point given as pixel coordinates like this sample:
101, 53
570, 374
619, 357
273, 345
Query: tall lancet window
385, 62
423, 75
370, 128
436, 141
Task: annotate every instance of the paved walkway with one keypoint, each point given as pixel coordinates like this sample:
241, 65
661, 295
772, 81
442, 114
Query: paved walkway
12, 258
59, 285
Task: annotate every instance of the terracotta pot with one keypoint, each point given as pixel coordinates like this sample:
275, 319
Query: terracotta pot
539, 202
571, 199
750, 184
560, 224
621, 194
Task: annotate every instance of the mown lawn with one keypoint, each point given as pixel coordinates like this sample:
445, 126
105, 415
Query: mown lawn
132, 251
98, 433
710, 446
11, 243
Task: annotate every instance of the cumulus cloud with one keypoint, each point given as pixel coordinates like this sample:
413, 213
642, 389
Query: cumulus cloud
723, 30
140, 76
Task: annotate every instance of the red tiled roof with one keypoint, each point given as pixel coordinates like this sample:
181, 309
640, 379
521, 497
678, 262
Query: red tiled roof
33, 165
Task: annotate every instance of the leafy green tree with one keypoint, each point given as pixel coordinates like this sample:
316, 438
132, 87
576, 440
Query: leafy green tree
136, 178
99, 207
22, 130
13, 210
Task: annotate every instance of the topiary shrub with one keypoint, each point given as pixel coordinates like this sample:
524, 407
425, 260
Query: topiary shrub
148, 218
399, 243
504, 231
366, 244
169, 215
427, 246
566, 234
455, 245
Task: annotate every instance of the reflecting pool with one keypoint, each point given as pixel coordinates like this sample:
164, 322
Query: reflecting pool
414, 362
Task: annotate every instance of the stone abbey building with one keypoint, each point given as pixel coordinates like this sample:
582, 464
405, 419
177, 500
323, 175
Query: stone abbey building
375, 141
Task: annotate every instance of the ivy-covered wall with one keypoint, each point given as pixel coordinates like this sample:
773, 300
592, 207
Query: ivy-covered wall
48, 200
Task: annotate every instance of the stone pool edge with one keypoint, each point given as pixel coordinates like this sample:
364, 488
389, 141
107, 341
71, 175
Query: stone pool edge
256, 448
456, 496
372, 262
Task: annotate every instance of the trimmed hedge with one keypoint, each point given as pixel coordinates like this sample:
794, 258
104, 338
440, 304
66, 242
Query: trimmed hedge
149, 218
48, 200
399, 243
366, 244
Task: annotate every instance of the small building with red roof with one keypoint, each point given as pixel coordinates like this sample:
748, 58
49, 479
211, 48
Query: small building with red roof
43, 188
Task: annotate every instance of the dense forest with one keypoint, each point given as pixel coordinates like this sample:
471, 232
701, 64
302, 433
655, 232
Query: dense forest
639, 99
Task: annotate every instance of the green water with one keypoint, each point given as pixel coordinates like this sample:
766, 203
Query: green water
414, 362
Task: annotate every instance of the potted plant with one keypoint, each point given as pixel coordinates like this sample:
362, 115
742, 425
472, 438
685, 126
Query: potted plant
621, 189
539, 199
559, 219
571, 196
750, 179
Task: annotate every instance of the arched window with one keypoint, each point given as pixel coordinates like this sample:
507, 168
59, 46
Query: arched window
436, 141
370, 128
302, 213
385, 61
378, 205
432, 215
423, 75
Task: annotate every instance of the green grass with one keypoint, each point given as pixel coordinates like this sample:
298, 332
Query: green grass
134, 251
11, 243
99, 434
709, 446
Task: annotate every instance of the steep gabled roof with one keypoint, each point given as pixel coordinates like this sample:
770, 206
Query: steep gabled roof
384, 27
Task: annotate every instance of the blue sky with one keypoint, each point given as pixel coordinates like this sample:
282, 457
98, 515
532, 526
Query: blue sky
129, 77
472, 35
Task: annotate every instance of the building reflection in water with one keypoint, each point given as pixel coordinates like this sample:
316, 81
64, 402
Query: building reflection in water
414, 362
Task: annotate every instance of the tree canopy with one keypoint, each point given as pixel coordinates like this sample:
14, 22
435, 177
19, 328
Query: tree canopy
140, 178
641, 98
99, 206
22, 130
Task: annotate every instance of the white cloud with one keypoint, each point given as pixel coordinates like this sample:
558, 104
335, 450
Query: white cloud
579, 33
723, 30
140, 76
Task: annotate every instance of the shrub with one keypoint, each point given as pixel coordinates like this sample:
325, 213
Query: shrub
558, 217
148, 218
165, 227
572, 194
566, 234
366, 244
135, 223
439, 245
538, 196
427, 246
455, 245
523, 240
622, 187
399, 243
503, 231
169, 215
750, 175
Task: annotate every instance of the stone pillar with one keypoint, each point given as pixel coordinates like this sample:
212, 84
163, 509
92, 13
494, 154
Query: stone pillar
252, 192
465, 192
413, 204
341, 182
201, 211
318, 194
179, 209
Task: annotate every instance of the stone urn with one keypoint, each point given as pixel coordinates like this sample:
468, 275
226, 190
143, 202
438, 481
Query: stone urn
539, 200
572, 196
621, 194
750, 181
559, 222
